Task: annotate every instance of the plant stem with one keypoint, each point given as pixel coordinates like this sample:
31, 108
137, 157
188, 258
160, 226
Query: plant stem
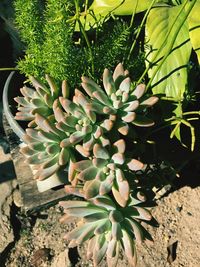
133, 15
88, 44
84, 34
191, 113
86, 7
140, 28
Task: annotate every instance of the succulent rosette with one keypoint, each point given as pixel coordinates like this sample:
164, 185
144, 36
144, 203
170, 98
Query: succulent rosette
80, 122
119, 100
105, 172
38, 100
108, 227
43, 148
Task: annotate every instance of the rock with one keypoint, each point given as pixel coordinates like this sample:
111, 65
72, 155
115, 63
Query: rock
6, 189
6, 232
17, 198
179, 209
61, 260
39, 256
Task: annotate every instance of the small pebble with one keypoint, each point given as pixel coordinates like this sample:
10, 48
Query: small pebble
189, 213
39, 256
17, 198
179, 209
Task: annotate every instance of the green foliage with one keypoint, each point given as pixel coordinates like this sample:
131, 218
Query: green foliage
52, 46
168, 54
112, 46
47, 37
57, 43
113, 41
29, 20
194, 28
161, 31
99, 11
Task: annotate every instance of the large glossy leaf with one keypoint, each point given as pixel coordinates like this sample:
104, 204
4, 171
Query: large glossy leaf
119, 7
194, 28
171, 77
101, 9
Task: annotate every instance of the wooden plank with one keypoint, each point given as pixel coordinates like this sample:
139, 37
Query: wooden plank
31, 197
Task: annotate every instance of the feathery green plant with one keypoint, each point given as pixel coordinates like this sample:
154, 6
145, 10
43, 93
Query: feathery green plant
53, 46
30, 22
58, 40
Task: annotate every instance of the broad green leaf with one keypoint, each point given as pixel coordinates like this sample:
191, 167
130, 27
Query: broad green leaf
171, 77
101, 9
194, 28
119, 7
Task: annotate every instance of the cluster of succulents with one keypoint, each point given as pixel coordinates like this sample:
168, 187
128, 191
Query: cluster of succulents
105, 172
87, 134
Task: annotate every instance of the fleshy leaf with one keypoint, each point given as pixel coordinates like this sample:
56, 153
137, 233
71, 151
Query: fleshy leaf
100, 152
91, 188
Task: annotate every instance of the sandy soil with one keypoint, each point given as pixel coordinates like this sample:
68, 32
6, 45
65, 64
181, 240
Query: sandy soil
37, 239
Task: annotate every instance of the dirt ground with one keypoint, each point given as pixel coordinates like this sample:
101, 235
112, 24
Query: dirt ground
37, 240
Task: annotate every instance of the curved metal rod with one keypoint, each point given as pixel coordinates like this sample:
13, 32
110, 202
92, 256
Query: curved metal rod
17, 129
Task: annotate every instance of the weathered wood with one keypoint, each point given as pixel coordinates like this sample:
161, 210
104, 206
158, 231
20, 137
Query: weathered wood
31, 197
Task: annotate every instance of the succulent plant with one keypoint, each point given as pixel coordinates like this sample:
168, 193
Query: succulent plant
108, 227
101, 172
105, 172
39, 100
44, 150
118, 99
81, 123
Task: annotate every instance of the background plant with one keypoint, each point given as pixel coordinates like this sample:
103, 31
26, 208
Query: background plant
53, 47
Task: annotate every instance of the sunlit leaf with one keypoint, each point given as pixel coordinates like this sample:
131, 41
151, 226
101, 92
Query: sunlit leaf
171, 77
103, 8
194, 28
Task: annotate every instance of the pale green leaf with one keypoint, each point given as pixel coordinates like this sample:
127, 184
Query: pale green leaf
171, 78
103, 8
120, 7
194, 28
